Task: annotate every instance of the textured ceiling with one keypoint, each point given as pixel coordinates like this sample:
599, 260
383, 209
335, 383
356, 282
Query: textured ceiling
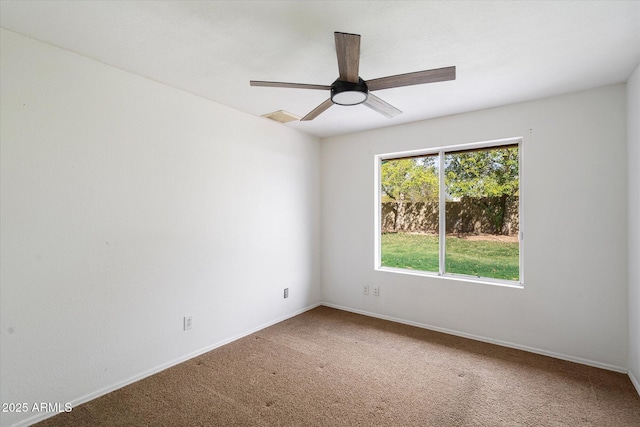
504, 52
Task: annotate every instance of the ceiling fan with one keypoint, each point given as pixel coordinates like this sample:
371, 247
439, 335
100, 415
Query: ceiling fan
350, 89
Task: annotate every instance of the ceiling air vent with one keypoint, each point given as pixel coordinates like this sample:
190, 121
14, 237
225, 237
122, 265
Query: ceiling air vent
281, 116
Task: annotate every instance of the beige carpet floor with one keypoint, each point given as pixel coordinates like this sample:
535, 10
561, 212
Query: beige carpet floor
328, 367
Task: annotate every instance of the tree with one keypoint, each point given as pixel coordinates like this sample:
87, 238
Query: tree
482, 174
409, 180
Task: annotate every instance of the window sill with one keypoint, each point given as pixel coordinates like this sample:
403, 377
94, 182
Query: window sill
456, 277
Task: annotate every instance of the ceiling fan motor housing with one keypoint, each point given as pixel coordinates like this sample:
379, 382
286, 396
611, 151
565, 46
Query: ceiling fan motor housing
347, 93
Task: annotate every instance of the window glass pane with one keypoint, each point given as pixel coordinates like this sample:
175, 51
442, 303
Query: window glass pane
410, 213
482, 213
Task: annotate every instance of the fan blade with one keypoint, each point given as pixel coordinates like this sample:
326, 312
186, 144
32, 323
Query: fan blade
348, 52
289, 85
318, 110
417, 78
380, 106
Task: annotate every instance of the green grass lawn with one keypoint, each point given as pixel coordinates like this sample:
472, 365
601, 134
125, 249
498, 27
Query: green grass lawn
484, 258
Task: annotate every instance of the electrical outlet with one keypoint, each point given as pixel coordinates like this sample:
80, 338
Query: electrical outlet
286, 292
188, 322
376, 290
365, 290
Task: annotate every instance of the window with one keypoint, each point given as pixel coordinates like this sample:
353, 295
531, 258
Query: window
452, 212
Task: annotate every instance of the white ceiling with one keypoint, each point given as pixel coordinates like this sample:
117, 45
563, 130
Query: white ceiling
504, 51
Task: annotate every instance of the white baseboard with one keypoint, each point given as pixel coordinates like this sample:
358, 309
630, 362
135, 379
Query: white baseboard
135, 378
635, 382
487, 340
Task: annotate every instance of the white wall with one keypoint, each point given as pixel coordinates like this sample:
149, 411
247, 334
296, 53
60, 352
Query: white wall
126, 205
574, 301
633, 159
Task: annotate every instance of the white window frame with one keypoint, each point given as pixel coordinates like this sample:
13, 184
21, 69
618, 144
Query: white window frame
440, 151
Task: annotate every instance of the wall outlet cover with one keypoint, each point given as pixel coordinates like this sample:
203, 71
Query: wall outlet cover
188, 322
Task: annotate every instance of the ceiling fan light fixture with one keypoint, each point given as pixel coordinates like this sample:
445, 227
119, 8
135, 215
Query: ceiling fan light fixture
347, 93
